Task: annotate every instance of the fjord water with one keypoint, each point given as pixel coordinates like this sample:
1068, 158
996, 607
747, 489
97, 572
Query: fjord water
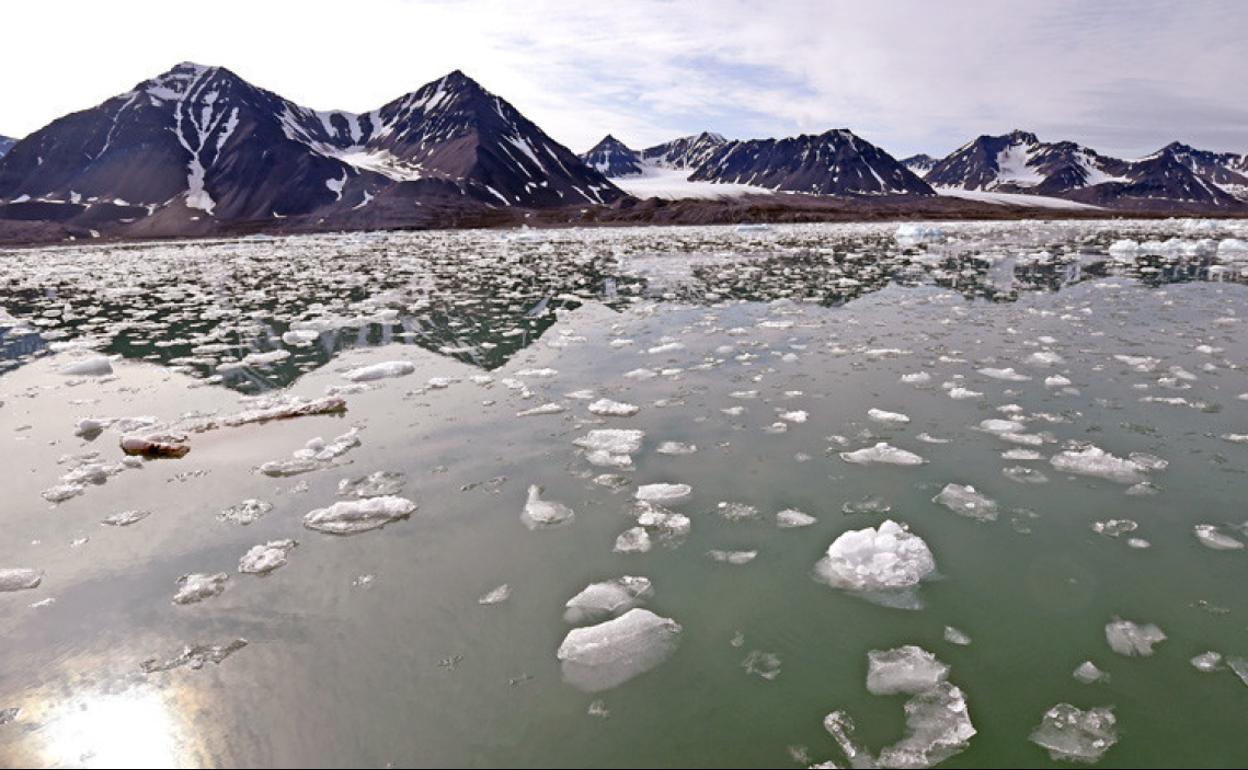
765, 348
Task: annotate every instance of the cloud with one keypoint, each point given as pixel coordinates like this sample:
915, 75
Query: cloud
911, 76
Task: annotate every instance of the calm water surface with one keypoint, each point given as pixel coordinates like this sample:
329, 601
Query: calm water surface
765, 350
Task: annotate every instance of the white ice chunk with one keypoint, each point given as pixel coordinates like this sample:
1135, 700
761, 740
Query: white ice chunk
886, 560
963, 500
607, 599
663, 492
883, 453
603, 656
544, 514
380, 371
263, 559
1127, 638
1074, 735
348, 517
909, 669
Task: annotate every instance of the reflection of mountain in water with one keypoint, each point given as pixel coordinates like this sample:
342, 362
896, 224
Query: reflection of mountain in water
215, 309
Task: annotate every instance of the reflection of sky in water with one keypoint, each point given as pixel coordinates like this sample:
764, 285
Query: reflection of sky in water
480, 297
135, 727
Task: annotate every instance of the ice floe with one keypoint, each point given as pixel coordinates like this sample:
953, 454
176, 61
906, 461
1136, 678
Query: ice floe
885, 564
882, 453
607, 599
1075, 735
263, 559
964, 500
1130, 639
544, 514
602, 656
347, 517
19, 579
197, 586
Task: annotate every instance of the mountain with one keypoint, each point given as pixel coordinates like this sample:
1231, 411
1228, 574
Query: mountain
6, 143
1019, 162
920, 164
687, 152
613, 158
199, 143
832, 163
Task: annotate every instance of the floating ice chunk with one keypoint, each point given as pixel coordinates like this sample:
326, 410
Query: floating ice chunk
1207, 662
663, 492
263, 559
938, 726
883, 453
194, 656
376, 484
300, 336
599, 601
380, 371
736, 511
1044, 358
608, 408
1024, 475
887, 560
612, 447
1088, 673
125, 518
553, 407
1008, 374
911, 234
792, 519
95, 366
735, 558
19, 579
1021, 454
1073, 735
797, 416
641, 374
954, 636
1091, 460
998, 426
676, 448
1114, 527
841, 727
496, 595
198, 586
960, 393
264, 359
246, 512
1056, 381
928, 438
765, 665
634, 540
916, 378
909, 669
603, 656
879, 415
544, 514
1211, 537
544, 373
1127, 638
156, 445
348, 517
962, 499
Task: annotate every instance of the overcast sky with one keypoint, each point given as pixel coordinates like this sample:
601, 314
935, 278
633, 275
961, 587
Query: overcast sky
924, 76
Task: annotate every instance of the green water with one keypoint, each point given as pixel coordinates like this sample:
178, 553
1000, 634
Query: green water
409, 670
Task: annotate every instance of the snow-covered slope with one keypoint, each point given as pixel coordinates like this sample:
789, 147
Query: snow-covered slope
687, 152
1018, 162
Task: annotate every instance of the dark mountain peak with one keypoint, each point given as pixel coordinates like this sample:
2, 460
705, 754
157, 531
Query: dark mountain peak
6, 143
1019, 136
611, 158
836, 162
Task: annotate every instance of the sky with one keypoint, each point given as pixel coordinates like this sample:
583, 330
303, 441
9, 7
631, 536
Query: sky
911, 76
